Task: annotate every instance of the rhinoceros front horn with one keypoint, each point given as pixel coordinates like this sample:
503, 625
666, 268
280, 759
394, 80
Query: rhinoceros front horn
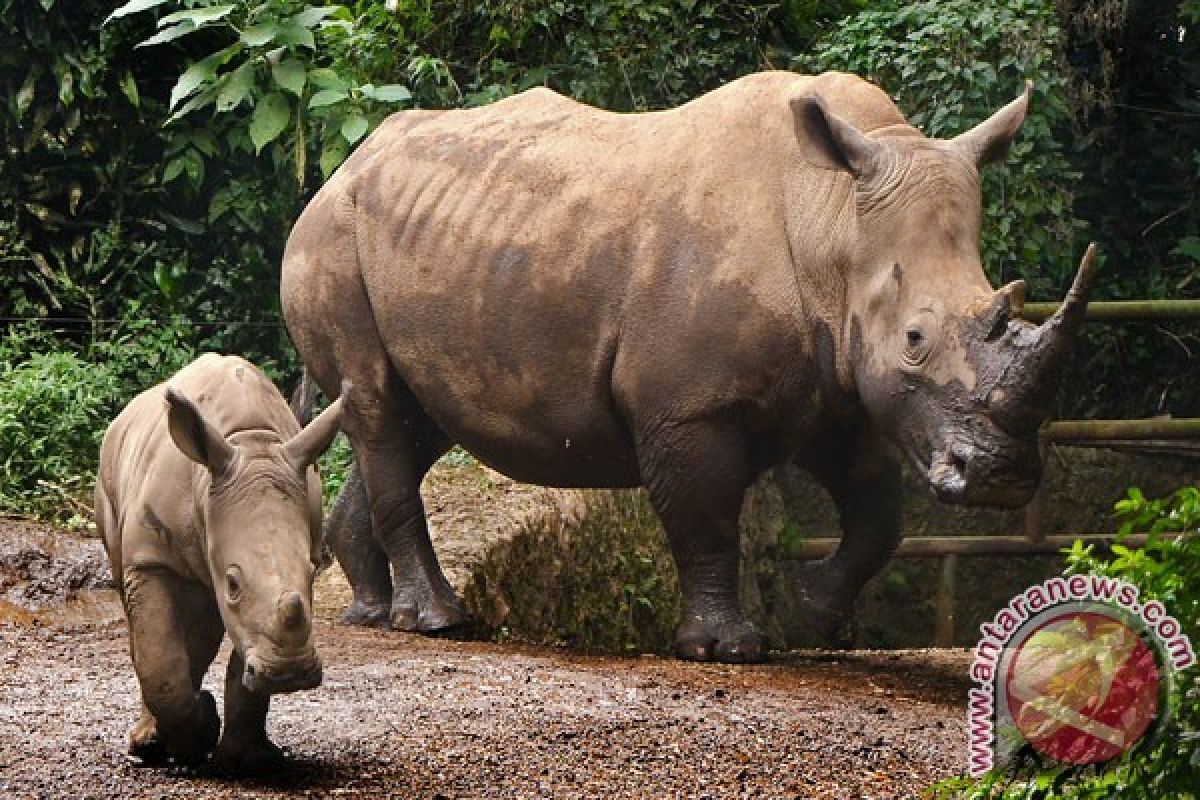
1043, 355
1056, 336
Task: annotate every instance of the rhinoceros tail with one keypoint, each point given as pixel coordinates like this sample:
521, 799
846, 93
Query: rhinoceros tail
304, 397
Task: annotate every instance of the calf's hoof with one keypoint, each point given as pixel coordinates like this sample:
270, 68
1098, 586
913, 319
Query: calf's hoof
728, 643
237, 756
194, 739
146, 748
431, 614
367, 615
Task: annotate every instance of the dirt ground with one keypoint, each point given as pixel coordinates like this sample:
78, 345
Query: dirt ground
406, 716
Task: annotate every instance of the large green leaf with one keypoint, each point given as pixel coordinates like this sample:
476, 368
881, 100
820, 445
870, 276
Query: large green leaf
354, 127
290, 33
333, 154
327, 97
169, 34
197, 16
236, 87
192, 79
290, 74
132, 7
327, 78
271, 117
309, 17
389, 93
259, 34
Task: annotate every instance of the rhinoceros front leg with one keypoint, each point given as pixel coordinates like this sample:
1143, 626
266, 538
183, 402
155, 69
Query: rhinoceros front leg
868, 496
172, 640
360, 555
394, 446
245, 747
696, 475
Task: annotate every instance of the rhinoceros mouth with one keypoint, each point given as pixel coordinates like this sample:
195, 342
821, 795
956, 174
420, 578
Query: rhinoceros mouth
267, 675
959, 475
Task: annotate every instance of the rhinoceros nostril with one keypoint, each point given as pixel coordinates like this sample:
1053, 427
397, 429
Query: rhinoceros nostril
291, 610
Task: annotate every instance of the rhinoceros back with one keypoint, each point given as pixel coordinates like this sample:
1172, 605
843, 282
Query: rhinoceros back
148, 484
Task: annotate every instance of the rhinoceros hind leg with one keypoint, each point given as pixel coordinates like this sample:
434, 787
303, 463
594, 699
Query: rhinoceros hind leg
395, 443
696, 475
869, 507
159, 606
244, 748
361, 557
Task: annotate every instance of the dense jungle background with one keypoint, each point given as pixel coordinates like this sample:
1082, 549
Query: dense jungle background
153, 156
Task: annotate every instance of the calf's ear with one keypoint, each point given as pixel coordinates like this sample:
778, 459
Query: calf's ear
307, 445
835, 143
989, 140
194, 435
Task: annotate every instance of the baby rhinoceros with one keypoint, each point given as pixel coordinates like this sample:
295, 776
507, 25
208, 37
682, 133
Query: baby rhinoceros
210, 510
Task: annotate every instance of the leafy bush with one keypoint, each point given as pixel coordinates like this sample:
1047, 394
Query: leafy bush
56, 403
949, 65
1166, 569
54, 407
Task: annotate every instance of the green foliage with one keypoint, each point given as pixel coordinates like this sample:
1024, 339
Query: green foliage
334, 465
89, 230
55, 404
1166, 569
1134, 89
950, 65
282, 72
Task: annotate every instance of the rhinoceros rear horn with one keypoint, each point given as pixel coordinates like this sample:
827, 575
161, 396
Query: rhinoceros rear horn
838, 144
1007, 301
989, 140
194, 435
306, 446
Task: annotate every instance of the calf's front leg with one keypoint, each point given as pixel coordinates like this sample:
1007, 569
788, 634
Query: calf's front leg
244, 745
179, 720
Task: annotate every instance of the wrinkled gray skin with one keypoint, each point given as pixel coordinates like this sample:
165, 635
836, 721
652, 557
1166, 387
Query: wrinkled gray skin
210, 511
782, 268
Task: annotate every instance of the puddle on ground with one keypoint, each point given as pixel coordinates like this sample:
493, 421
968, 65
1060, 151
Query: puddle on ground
84, 609
54, 578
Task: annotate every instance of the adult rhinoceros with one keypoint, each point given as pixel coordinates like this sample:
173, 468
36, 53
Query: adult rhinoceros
782, 268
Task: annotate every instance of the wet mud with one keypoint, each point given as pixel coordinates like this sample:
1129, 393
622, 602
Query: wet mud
406, 716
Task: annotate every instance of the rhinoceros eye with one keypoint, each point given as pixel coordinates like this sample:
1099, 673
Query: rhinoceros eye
233, 584
916, 346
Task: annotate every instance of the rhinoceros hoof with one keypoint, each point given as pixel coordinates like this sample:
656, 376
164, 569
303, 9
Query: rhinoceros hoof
192, 741
146, 748
367, 615
431, 615
242, 756
820, 625
729, 643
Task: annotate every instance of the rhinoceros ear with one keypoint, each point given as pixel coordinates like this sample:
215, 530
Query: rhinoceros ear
194, 435
837, 143
989, 140
307, 445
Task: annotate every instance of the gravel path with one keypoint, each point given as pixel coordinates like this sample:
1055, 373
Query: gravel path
404, 716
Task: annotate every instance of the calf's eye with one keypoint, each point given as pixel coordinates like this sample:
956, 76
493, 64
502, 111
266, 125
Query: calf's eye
233, 584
